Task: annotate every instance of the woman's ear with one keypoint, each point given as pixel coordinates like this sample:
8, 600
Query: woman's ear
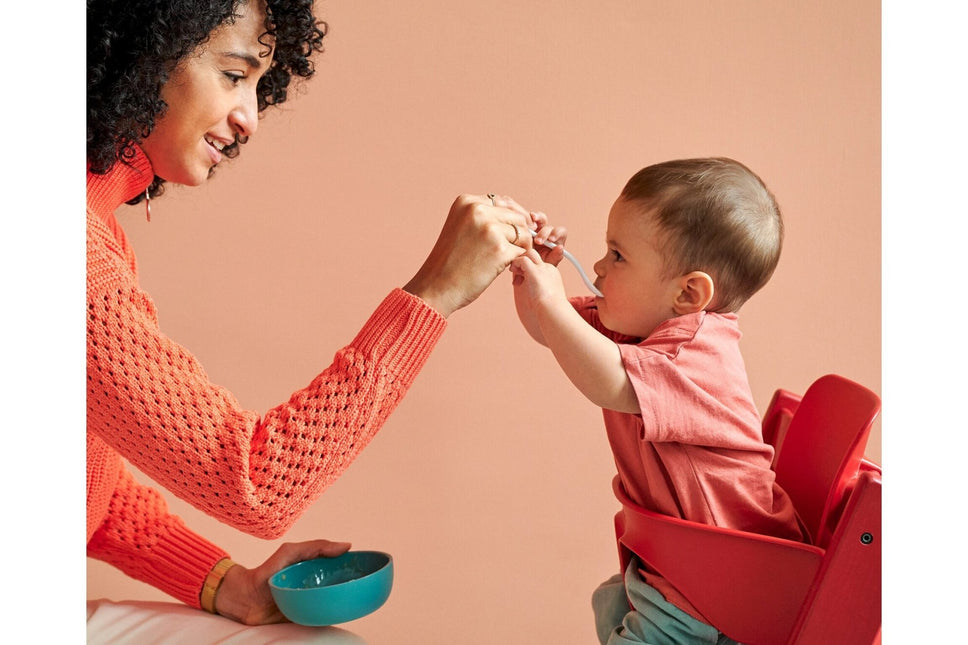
696, 291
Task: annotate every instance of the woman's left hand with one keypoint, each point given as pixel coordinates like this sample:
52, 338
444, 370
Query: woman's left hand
479, 239
244, 595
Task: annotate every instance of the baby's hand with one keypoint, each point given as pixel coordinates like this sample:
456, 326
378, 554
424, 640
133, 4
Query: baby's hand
544, 232
540, 280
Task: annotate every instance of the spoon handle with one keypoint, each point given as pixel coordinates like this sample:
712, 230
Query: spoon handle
571, 258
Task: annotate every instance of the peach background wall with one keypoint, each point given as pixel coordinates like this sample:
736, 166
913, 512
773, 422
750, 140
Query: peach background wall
490, 483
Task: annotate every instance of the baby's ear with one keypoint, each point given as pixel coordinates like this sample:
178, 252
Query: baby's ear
696, 291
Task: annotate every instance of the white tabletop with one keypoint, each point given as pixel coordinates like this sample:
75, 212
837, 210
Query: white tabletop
157, 623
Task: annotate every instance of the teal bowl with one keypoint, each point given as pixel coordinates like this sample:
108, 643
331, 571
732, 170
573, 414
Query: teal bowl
329, 591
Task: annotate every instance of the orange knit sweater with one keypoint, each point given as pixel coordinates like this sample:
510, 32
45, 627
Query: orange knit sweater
150, 402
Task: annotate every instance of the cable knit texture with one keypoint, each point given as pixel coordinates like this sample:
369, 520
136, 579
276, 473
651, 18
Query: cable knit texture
150, 402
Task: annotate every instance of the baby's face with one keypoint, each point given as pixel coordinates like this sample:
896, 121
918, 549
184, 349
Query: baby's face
638, 295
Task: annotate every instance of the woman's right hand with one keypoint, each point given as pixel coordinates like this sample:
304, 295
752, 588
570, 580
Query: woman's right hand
244, 595
476, 244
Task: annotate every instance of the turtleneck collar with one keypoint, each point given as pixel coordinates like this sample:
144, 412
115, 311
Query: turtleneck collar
105, 193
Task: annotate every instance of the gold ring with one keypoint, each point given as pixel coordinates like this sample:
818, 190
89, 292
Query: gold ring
516, 234
491, 197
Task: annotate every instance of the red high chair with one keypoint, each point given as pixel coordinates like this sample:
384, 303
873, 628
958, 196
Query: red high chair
762, 590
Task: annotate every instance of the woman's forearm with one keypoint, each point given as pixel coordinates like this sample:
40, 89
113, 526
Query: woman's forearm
256, 473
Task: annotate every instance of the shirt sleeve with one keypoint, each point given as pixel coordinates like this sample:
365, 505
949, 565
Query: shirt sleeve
141, 538
151, 400
684, 400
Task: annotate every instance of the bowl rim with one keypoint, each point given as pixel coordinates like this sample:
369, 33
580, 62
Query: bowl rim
383, 567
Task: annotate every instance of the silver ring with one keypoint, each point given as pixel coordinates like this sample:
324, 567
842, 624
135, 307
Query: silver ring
491, 197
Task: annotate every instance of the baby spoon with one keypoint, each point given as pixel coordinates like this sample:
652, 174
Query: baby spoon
571, 258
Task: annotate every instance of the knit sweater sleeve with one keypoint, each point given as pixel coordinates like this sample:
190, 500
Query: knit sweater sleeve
151, 400
141, 538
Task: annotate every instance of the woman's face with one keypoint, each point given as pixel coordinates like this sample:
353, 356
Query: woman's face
211, 99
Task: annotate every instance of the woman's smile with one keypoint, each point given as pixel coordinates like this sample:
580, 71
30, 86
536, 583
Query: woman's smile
215, 148
212, 100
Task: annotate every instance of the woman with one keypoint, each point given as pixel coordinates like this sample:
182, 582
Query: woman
174, 87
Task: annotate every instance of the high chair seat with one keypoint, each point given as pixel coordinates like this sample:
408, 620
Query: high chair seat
762, 590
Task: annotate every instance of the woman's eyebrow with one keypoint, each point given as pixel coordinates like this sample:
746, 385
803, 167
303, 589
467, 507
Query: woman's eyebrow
248, 59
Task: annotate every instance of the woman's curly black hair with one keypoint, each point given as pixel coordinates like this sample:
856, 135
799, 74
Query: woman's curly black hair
133, 46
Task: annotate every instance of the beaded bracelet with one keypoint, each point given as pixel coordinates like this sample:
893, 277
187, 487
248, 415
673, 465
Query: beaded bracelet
212, 584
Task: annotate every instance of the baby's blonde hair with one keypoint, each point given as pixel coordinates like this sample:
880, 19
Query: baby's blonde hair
716, 216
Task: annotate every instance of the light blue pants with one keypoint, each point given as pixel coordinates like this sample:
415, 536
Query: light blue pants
652, 620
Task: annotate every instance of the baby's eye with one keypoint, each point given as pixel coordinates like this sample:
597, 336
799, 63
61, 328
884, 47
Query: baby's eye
616, 255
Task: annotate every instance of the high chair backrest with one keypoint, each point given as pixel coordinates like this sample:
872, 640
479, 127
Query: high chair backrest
821, 450
762, 590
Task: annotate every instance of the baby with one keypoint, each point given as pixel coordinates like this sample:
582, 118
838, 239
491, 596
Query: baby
687, 243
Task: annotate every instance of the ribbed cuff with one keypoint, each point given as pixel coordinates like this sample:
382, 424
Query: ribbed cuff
401, 334
180, 562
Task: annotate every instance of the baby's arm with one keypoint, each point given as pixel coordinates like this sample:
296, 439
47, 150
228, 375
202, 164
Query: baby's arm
523, 305
591, 361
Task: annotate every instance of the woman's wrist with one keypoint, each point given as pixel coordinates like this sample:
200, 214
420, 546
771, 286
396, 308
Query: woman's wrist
213, 582
437, 300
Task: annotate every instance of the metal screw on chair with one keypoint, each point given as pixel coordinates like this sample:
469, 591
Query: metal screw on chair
866, 538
